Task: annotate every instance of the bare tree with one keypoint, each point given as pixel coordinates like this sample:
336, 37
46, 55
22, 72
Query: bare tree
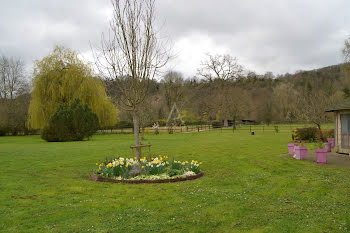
219, 66
346, 50
133, 53
12, 78
346, 68
147, 113
200, 98
313, 106
14, 95
173, 88
237, 103
145, 118
285, 101
223, 68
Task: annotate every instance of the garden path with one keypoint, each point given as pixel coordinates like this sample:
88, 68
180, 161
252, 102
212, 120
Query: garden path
333, 159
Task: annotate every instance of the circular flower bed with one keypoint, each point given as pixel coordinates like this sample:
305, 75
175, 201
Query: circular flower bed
158, 170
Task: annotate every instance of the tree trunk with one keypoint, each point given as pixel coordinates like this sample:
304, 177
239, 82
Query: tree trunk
137, 135
143, 133
319, 128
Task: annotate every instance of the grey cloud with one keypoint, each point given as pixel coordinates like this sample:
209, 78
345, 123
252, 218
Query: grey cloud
279, 36
30, 29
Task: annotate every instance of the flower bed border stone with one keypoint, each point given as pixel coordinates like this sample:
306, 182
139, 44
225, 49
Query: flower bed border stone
95, 177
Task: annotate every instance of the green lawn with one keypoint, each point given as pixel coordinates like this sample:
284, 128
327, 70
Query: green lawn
247, 187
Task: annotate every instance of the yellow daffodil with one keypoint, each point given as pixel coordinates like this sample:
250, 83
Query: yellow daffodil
143, 167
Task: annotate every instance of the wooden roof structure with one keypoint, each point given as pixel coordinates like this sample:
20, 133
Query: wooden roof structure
345, 105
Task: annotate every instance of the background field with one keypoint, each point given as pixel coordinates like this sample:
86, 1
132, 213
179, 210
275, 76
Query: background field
248, 186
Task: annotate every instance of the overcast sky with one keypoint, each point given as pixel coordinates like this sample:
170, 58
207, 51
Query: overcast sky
265, 35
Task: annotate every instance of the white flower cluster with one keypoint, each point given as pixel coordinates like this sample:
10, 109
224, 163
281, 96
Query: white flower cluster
195, 163
122, 162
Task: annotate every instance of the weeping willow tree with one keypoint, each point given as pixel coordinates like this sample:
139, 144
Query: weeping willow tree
62, 77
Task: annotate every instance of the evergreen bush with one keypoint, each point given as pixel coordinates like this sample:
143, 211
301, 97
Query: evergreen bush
70, 123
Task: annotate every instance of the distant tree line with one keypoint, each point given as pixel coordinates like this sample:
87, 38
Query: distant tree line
223, 90
300, 97
14, 96
59, 78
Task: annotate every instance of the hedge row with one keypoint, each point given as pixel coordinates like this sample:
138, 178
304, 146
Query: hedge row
312, 134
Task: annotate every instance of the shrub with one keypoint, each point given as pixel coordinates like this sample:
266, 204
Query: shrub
195, 122
70, 123
3, 131
162, 122
328, 133
124, 124
324, 134
306, 134
216, 124
312, 134
174, 172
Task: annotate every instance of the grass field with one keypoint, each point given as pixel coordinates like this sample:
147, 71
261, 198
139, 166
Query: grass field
248, 187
